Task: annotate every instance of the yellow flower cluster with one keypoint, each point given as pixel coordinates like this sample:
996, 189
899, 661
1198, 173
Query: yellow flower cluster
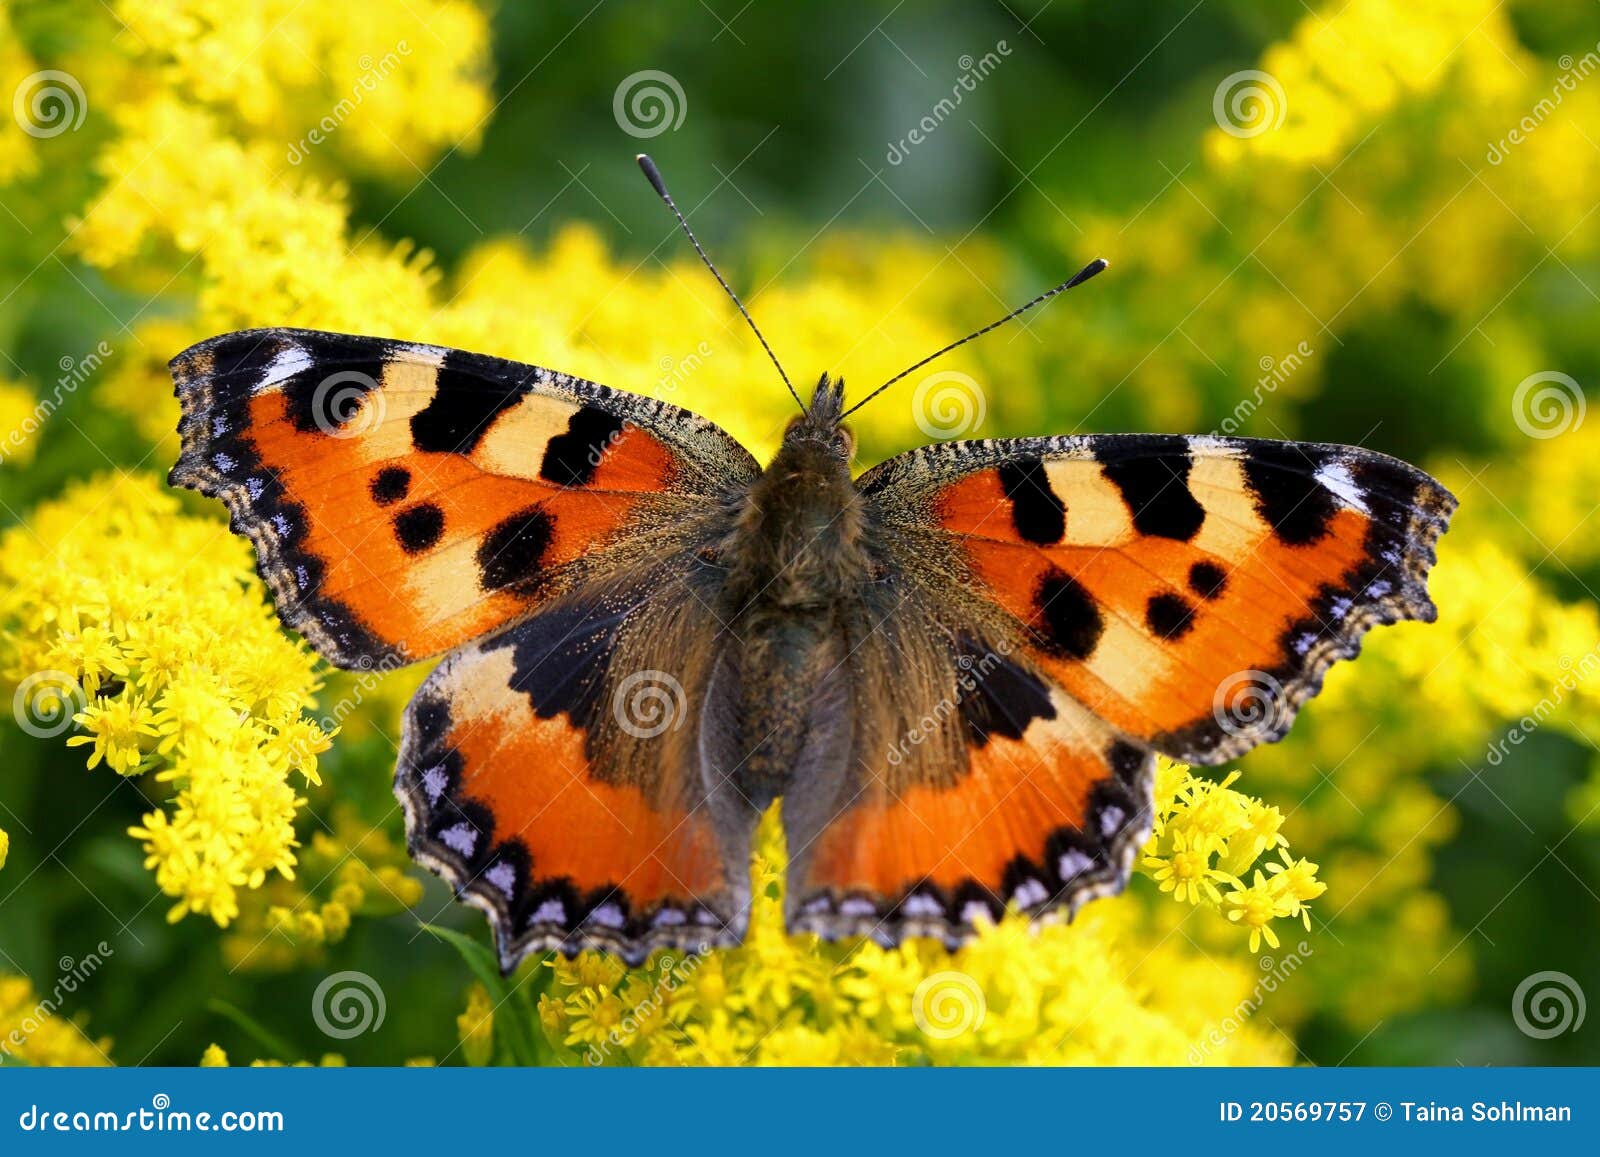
1338, 72
1206, 840
34, 1034
148, 629
16, 424
352, 870
1103, 990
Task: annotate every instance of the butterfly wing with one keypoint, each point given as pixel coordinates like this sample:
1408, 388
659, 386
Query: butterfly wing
1144, 594
556, 774
405, 498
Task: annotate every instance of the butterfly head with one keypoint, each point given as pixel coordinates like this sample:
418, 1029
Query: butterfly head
818, 431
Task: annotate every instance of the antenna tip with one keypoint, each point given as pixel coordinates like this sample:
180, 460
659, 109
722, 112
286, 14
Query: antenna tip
652, 174
1098, 265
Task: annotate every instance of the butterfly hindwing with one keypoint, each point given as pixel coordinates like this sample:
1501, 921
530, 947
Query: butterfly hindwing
405, 498
1005, 791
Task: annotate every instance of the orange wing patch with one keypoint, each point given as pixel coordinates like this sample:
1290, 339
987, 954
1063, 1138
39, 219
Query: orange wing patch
506, 797
1192, 592
1045, 816
404, 498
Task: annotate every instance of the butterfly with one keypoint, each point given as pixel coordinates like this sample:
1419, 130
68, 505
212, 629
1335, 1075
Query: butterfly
955, 671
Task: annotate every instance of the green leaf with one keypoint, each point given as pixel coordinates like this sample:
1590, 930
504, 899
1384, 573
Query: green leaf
512, 1019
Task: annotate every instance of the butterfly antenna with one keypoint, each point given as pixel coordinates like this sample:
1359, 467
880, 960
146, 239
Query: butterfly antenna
653, 174
1078, 278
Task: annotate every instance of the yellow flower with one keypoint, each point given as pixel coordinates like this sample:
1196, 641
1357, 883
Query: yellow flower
35, 1029
475, 1026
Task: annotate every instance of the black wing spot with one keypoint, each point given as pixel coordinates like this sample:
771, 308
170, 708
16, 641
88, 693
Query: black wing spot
390, 485
1169, 616
1036, 510
1071, 621
513, 552
1208, 580
463, 408
419, 527
1153, 476
1287, 494
997, 697
571, 459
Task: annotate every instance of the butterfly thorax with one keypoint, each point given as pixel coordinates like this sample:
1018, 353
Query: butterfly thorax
797, 558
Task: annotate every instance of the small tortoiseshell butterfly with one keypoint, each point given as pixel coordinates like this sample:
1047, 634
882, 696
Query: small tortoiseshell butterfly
956, 670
